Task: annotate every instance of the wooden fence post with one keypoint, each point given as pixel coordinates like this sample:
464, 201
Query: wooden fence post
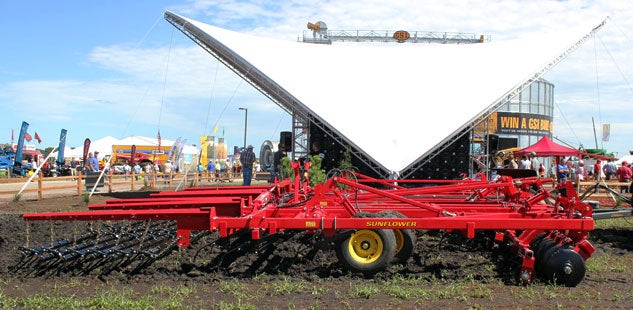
79, 187
110, 180
40, 189
133, 179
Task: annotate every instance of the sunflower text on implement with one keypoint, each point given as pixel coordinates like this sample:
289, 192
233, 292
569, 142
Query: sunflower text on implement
390, 224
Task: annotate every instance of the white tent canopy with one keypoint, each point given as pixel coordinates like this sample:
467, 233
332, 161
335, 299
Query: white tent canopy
396, 102
104, 146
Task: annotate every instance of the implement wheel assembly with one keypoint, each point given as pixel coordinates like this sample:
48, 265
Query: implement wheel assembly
405, 238
367, 251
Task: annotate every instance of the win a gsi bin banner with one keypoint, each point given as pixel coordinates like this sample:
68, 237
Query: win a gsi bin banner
524, 123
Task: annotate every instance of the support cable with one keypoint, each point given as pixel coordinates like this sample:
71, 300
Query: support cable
595, 57
162, 99
215, 77
568, 124
616, 65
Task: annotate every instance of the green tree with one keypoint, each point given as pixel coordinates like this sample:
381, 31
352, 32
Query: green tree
346, 161
47, 151
316, 174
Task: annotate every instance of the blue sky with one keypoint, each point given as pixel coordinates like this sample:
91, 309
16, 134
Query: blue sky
117, 68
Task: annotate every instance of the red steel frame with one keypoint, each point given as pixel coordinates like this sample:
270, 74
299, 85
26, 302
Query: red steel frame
505, 206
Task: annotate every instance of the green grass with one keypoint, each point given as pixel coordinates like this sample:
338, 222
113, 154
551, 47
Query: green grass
235, 288
364, 289
607, 262
624, 222
286, 286
159, 297
318, 294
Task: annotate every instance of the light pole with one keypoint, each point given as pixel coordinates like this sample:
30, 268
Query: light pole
245, 124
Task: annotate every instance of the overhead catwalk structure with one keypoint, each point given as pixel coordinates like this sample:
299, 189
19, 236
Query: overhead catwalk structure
321, 35
405, 111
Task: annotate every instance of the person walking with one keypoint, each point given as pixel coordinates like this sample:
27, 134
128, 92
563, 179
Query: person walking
597, 171
512, 163
88, 164
275, 172
247, 159
525, 163
94, 162
609, 169
210, 170
167, 171
581, 172
624, 174
534, 163
562, 171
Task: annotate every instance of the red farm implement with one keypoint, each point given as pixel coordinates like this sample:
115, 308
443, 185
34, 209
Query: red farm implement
372, 223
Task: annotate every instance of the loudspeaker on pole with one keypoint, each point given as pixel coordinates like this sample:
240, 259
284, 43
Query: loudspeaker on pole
285, 137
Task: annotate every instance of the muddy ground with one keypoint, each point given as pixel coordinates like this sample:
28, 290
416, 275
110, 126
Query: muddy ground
449, 271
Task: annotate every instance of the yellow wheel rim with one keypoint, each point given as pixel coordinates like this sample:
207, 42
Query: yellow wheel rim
365, 246
399, 240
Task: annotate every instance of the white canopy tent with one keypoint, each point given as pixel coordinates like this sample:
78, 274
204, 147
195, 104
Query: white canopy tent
104, 146
394, 102
140, 140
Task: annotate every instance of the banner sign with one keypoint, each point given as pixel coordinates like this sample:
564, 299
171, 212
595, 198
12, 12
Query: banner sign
86, 149
606, 132
524, 123
133, 155
19, 149
61, 147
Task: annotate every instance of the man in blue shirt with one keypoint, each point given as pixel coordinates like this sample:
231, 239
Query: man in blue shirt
210, 170
562, 171
247, 159
94, 162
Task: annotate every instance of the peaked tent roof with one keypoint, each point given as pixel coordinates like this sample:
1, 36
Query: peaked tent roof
104, 145
394, 102
547, 147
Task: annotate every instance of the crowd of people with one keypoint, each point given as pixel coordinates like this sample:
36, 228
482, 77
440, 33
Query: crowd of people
527, 162
574, 170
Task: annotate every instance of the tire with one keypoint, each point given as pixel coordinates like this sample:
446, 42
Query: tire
366, 251
405, 238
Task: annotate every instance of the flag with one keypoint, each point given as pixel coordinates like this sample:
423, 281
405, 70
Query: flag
28, 137
173, 150
222, 131
215, 130
85, 153
606, 132
37, 137
12, 137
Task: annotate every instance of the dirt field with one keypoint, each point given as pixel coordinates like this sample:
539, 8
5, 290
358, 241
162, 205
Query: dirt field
301, 271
